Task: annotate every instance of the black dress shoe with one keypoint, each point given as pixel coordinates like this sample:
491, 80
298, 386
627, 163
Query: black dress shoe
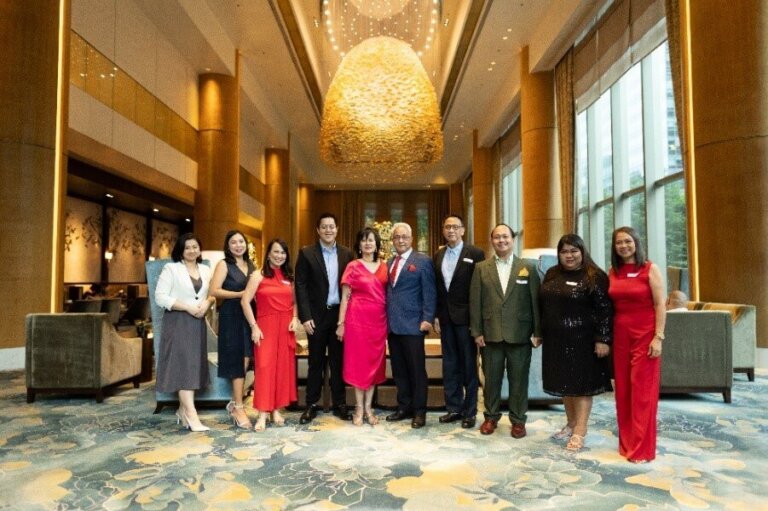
342, 412
468, 422
398, 416
449, 417
418, 421
309, 414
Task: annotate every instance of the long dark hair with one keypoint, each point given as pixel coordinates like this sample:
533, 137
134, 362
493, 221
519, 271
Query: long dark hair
229, 256
363, 234
267, 271
591, 269
640, 258
177, 254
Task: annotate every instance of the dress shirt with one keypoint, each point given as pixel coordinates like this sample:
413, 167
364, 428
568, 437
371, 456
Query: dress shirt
332, 267
405, 257
450, 260
504, 267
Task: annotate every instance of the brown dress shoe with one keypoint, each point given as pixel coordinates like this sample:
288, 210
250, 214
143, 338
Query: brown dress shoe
518, 430
488, 427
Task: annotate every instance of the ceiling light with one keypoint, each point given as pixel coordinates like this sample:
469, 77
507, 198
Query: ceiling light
155, 210
187, 219
109, 196
381, 120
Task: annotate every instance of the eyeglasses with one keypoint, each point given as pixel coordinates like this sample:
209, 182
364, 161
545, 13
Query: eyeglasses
452, 227
403, 237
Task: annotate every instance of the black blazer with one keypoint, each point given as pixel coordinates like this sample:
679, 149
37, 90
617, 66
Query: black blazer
453, 303
312, 282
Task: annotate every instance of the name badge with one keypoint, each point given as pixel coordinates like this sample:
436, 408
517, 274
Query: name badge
521, 281
569, 283
468, 260
633, 275
287, 282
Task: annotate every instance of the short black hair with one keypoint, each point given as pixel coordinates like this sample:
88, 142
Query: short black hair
326, 215
511, 231
453, 215
177, 254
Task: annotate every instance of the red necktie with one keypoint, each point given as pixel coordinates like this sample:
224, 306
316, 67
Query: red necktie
393, 271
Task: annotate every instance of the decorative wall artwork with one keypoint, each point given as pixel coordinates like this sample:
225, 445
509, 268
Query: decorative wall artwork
127, 243
82, 241
164, 236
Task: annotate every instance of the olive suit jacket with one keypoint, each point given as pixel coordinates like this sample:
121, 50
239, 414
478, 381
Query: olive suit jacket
505, 317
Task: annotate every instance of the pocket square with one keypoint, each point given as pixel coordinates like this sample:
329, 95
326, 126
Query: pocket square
411, 267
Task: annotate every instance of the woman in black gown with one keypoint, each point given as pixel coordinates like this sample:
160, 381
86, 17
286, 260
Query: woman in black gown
577, 320
235, 348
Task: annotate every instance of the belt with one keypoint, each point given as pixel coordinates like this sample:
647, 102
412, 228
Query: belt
332, 306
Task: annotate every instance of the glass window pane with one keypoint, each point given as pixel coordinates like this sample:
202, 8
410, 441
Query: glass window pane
675, 220
582, 226
632, 104
675, 156
604, 172
605, 217
637, 213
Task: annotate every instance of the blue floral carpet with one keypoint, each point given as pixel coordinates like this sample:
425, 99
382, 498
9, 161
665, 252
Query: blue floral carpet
71, 453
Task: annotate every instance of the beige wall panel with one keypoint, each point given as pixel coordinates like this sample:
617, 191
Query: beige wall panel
216, 200
484, 165
456, 200
306, 217
277, 215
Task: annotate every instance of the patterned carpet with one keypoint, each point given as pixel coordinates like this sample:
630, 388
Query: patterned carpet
62, 453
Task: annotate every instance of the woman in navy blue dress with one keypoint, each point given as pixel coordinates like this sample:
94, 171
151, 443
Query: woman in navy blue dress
235, 348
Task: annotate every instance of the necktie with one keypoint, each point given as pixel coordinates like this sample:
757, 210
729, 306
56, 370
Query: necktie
393, 271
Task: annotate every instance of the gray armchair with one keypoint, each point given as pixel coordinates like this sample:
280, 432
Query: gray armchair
78, 354
698, 353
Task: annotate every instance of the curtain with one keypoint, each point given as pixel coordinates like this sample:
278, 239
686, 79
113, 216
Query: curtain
672, 8
566, 139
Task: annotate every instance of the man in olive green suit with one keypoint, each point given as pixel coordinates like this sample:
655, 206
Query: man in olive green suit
503, 317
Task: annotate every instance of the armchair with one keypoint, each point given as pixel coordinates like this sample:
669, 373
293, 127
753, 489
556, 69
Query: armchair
78, 354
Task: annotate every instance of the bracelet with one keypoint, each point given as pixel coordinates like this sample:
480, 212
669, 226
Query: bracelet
660, 336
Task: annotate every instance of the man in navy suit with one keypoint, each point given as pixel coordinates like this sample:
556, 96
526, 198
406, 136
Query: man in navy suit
454, 265
411, 298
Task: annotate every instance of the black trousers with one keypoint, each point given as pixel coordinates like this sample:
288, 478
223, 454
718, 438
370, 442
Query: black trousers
460, 378
407, 356
325, 348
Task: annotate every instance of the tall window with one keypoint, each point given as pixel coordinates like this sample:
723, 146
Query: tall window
629, 166
512, 201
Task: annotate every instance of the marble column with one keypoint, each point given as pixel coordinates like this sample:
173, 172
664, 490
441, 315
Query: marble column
542, 207
726, 78
34, 90
277, 215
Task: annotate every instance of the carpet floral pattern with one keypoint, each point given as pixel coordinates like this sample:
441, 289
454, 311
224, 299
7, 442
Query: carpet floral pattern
71, 453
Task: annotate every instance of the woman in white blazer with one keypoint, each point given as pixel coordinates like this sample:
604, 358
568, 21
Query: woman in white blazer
182, 365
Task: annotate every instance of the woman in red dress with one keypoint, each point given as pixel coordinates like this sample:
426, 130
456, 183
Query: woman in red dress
272, 332
637, 290
363, 323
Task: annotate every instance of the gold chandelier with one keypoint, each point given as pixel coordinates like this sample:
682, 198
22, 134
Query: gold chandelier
381, 121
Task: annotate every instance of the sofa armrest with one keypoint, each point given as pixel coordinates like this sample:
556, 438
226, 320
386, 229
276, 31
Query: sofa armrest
120, 356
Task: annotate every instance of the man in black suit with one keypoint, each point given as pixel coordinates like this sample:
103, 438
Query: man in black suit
454, 265
319, 268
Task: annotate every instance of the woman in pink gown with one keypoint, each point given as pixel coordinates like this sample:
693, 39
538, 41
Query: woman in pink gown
363, 322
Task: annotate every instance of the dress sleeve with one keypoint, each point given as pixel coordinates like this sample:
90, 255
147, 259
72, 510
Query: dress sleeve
348, 276
602, 310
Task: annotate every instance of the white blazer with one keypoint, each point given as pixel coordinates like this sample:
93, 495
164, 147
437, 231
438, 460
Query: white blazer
175, 284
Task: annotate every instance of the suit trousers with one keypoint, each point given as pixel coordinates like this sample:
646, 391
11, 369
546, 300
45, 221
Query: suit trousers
324, 341
517, 359
408, 359
460, 379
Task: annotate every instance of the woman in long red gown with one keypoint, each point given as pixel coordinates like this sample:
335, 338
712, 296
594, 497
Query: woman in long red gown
637, 291
272, 332
363, 323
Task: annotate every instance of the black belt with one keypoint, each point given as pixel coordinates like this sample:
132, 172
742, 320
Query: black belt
332, 306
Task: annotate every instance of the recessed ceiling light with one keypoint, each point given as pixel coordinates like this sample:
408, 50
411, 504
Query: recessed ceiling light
109, 196
187, 219
207, 68
155, 210
505, 37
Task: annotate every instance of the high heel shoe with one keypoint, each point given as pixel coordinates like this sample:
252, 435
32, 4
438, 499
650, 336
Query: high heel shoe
277, 419
196, 428
181, 419
371, 418
575, 443
566, 432
261, 422
241, 422
357, 418
230, 407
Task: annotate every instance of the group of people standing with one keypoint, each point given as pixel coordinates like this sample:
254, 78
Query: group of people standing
352, 304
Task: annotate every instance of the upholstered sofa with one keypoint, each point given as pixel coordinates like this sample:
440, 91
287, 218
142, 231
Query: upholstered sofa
76, 353
743, 320
698, 353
